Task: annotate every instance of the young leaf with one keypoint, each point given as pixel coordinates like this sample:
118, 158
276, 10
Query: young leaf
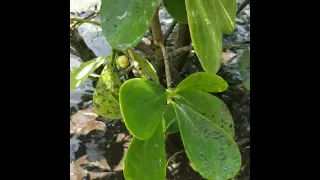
146, 159
177, 9
146, 67
142, 103
106, 93
245, 68
124, 22
81, 73
169, 120
210, 107
207, 20
203, 81
212, 151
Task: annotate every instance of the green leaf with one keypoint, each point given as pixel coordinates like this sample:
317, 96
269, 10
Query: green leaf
207, 20
81, 73
203, 81
146, 159
106, 93
146, 67
210, 107
142, 103
226, 9
177, 9
124, 22
245, 68
244, 61
211, 150
169, 120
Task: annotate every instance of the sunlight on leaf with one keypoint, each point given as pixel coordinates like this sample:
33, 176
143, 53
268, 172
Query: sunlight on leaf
124, 22
106, 93
203, 81
142, 103
82, 72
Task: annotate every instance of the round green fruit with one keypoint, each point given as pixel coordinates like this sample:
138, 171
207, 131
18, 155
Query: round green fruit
123, 61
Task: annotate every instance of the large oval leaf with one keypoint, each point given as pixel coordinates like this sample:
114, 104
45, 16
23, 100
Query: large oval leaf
203, 81
124, 22
211, 150
146, 159
142, 103
146, 67
169, 120
81, 73
177, 9
106, 93
207, 19
209, 106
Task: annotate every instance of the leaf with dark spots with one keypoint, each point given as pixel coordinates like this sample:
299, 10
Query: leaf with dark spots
146, 159
211, 150
210, 107
124, 22
106, 96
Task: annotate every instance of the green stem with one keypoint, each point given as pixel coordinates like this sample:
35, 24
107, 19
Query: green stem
85, 21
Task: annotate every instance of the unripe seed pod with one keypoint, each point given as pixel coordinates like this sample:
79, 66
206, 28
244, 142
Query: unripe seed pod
123, 61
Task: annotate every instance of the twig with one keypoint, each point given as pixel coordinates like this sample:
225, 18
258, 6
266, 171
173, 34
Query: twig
243, 141
134, 59
77, 24
169, 31
173, 156
180, 51
94, 76
166, 65
157, 39
85, 21
242, 6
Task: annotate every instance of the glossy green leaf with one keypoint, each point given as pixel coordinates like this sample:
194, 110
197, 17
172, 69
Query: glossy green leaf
211, 150
244, 68
106, 93
207, 20
81, 73
203, 81
177, 9
124, 22
146, 67
226, 10
146, 159
142, 103
210, 107
169, 120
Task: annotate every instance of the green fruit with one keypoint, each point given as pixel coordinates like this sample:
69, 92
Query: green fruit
123, 61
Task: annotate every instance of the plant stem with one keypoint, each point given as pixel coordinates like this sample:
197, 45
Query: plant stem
169, 31
180, 51
166, 65
173, 156
138, 69
157, 40
85, 21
